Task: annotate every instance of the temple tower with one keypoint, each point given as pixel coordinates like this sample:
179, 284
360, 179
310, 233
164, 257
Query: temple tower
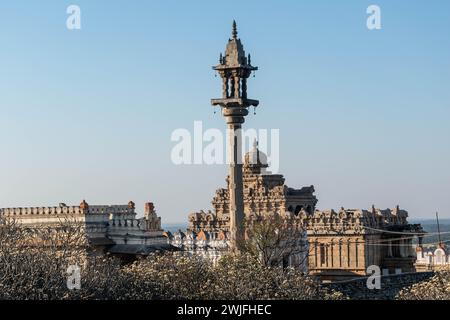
235, 68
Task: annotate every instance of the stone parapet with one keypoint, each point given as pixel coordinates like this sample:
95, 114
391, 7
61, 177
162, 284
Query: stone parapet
68, 210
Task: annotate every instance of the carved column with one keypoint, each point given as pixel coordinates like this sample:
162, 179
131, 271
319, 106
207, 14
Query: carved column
225, 86
244, 88
237, 86
389, 253
236, 185
233, 85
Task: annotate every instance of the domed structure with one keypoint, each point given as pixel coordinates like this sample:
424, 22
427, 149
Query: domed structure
255, 161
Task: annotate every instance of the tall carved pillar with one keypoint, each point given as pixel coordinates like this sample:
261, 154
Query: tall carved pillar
233, 69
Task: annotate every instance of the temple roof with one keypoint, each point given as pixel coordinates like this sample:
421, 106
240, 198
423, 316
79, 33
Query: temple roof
235, 54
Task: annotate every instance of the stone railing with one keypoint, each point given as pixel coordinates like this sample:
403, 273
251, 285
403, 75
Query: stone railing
67, 210
114, 209
124, 223
8, 212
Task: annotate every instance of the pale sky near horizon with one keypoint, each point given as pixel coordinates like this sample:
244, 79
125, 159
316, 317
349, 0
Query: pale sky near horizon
88, 114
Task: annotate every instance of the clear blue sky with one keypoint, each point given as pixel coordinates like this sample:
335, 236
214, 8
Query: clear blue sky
364, 115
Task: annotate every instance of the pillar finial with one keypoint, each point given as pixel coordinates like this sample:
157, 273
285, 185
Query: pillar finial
234, 32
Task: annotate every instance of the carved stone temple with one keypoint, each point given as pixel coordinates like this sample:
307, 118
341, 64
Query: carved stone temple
338, 244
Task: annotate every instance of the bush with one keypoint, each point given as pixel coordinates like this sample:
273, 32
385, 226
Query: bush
34, 262
435, 288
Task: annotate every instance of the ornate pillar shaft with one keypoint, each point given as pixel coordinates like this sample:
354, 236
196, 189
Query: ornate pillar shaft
236, 185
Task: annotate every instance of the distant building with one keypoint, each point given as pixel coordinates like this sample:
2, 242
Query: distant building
108, 228
429, 259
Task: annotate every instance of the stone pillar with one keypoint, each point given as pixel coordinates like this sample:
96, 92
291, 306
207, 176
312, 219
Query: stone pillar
332, 251
232, 69
362, 263
233, 86
225, 87
236, 185
401, 244
316, 254
244, 88
349, 261
237, 87
389, 253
